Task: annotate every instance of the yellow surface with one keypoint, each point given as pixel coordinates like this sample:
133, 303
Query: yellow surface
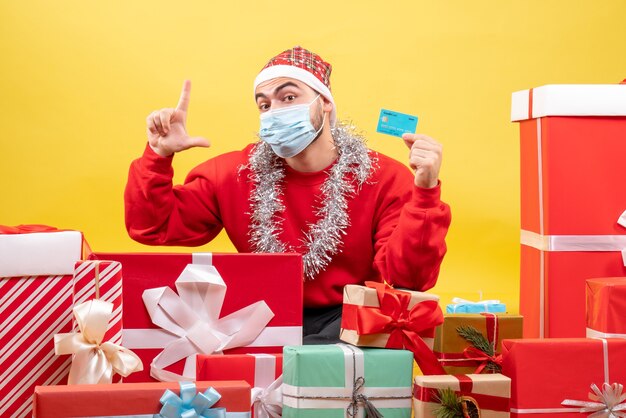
78, 79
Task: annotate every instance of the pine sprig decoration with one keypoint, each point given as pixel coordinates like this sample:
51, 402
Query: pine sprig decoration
475, 338
479, 341
450, 405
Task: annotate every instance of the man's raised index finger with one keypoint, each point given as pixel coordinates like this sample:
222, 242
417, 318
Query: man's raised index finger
183, 102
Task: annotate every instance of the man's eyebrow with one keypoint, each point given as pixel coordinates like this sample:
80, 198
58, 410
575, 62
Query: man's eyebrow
278, 89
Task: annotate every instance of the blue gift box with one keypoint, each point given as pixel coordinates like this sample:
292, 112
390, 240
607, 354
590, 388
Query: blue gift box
465, 306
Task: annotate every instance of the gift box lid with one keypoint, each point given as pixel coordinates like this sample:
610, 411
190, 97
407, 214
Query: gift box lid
569, 100
40, 253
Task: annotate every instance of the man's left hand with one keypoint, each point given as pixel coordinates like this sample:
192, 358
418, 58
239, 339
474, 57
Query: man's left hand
424, 158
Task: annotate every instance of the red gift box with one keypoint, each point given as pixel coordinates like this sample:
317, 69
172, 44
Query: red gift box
572, 143
259, 370
36, 307
606, 307
273, 278
546, 372
126, 399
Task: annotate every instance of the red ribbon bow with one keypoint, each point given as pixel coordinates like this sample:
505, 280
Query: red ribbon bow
473, 353
405, 326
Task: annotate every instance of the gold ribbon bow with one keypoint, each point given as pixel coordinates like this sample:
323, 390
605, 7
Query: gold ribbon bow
94, 361
607, 403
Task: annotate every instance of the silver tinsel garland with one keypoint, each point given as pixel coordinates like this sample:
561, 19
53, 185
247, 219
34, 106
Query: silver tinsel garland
323, 240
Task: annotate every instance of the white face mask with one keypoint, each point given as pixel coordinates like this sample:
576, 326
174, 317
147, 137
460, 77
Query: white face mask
289, 131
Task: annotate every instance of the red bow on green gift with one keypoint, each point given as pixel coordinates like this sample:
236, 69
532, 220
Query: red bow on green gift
405, 326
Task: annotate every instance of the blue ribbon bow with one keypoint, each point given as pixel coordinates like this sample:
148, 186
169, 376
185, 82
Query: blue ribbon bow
190, 403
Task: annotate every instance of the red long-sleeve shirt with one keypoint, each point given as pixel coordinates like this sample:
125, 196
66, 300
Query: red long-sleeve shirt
397, 230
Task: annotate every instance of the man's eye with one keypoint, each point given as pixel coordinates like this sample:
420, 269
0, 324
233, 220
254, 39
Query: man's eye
263, 106
290, 98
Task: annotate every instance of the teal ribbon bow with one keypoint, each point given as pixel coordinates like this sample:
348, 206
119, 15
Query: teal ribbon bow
190, 403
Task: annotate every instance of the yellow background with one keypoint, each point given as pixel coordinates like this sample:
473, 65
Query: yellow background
78, 79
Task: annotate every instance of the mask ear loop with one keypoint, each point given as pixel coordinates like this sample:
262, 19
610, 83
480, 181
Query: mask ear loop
321, 127
323, 117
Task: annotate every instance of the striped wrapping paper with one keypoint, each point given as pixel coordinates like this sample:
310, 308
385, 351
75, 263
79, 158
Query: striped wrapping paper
32, 310
109, 290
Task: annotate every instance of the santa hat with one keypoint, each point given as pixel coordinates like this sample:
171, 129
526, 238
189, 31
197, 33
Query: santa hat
302, 65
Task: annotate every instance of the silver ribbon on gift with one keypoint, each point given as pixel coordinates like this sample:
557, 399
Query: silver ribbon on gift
605, 403
569, 243
268, 402
266, 397
605, 355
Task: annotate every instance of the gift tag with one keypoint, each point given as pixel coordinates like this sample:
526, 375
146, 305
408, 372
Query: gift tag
396, 123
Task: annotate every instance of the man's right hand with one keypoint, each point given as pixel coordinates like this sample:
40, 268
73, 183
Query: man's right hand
167, 133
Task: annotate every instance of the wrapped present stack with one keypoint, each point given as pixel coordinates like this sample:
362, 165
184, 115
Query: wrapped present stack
42, 280
572, 221
61, 316
67, 344
572, 360
189, 345
221, 334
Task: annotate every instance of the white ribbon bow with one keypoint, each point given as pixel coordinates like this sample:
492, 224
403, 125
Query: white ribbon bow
193, 316
605, 404
268, 402
94, 361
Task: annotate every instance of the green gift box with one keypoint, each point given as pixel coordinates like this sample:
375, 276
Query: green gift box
341, 380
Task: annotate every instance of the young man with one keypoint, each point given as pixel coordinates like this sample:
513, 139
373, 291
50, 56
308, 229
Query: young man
310, 185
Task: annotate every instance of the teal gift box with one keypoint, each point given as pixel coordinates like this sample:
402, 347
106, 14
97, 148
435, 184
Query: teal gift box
341, 380
459, 305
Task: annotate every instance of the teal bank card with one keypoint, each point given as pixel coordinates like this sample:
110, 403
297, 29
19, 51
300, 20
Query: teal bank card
395, 123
